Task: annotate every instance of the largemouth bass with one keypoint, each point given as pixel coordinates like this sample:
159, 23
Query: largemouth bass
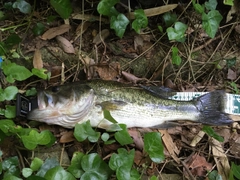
78, 102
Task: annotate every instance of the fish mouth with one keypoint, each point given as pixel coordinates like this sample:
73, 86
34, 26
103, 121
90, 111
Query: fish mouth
67, 114
41, 100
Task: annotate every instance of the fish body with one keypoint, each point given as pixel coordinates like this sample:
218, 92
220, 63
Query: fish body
78, 102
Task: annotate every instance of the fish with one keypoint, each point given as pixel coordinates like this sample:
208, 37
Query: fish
77, 102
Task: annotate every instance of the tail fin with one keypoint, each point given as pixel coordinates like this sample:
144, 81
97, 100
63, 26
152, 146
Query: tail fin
211, 106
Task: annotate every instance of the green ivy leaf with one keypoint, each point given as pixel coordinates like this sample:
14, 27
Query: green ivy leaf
75, 167
34, 138
84, 131
12, 40
10, 111
15, 55
15, 72
31, 92
153, 178
178, 32
48, 164
108, 116
214, 175
36, 164
119, 24
94, 166
40, 73
58, 173
209, 130
154, 147
231, 62
235, 170
105, 137
122, 163
228, 2
106, 7
7, 126
62, 7
141, 20
123, 136
198, 7
176, 59
234, 86
26, 172
9, 93
23, 6
211, 21
211, 4
160, 29
169, 18
38, 29
10, 166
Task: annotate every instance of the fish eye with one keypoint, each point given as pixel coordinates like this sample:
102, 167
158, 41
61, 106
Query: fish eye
55, 89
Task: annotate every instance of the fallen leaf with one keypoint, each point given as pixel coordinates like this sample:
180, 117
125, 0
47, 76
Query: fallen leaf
220, 158
65, 45
101, 36
82, 28
197, 138
67, 137
137, 138
138, 43
88, 62
108, 71
87, 17
170, 145
140, 159
37, 59
55, 74
154, 11
197, 165
234, 143
53, 32
231, 74
131, 78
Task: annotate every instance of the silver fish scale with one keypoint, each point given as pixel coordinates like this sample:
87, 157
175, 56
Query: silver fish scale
232, 103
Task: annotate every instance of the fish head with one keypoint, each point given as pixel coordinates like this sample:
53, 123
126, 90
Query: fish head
63, 105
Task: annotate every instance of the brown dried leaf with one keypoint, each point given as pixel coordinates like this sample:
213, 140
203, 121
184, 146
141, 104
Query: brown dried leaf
65, 45
154, 11
53, 32
131, 77
82, 28
137, 138
220, 158
138, 42
235, 144
198, 165
87, 17
231, 74
55, 74
67, 137
37, 59
170, 145
88, 62
101, 36
108, 71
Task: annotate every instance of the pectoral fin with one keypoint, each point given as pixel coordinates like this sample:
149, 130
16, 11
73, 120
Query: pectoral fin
112, 105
